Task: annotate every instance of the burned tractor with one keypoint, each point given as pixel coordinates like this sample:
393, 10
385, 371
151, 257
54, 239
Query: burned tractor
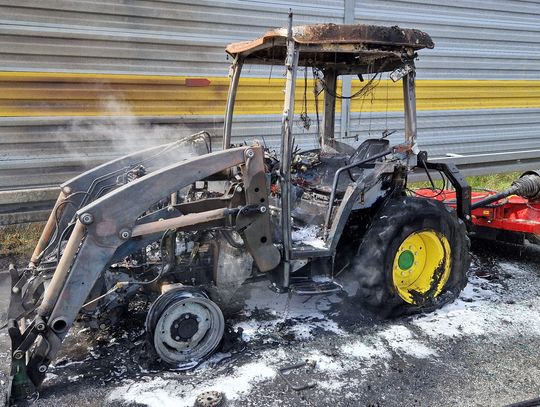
187, 226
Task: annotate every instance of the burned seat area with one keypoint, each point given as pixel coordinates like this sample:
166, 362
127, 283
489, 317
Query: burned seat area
313, 173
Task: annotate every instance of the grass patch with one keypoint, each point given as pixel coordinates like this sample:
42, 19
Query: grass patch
16, 240
496, 182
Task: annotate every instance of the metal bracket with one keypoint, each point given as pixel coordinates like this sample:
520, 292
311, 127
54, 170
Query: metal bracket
463, 190
20, 386
400, 72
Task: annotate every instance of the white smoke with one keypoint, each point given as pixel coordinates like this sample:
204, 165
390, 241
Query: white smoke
89, 141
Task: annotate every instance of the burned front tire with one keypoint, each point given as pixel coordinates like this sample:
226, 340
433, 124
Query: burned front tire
413, 258
185, 326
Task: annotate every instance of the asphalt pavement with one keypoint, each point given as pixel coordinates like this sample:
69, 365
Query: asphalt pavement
481, 350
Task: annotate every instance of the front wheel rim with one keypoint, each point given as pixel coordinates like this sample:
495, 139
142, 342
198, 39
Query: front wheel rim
421, 266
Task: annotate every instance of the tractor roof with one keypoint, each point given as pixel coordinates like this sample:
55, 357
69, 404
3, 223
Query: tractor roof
353, 48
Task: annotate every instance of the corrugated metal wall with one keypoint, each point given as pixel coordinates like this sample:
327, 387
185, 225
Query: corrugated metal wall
73, 74
486, 64
173, 37
53, 126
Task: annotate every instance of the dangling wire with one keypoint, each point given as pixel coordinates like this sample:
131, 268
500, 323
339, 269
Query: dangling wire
304, 117
372, 98
316, 93
363, 91
386, 117
121, 284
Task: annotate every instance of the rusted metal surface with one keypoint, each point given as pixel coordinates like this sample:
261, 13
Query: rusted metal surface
287, 140
363, 36
348, 49
49, 228
409, 100
256, 229
231, 99
329, 118
179, 222
60, 275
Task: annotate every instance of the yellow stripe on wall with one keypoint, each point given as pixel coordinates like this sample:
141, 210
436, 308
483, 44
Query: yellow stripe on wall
452, 95
68, 94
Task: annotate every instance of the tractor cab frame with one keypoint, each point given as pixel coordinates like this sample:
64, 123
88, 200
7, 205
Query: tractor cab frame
335, 51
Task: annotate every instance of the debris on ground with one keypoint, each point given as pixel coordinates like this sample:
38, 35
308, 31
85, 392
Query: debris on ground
480, 350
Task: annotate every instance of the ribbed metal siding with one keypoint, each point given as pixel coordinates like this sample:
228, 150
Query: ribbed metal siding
151, 37
481, 39
488, 39
460, 132
170, 37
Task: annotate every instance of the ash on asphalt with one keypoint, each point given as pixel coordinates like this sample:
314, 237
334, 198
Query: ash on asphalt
481, 350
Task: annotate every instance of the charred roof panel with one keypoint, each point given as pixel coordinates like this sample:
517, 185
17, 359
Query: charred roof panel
323, 44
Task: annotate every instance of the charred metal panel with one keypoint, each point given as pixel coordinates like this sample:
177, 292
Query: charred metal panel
316, 34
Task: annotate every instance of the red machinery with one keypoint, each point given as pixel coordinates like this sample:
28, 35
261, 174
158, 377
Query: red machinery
511, 215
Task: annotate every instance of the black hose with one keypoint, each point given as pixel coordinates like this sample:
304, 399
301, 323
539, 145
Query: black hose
528, 186
493, 198
65, 232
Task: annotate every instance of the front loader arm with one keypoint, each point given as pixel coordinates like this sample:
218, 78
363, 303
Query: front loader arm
90, 185
107, 223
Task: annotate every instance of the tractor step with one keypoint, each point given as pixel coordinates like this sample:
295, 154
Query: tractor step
307, 286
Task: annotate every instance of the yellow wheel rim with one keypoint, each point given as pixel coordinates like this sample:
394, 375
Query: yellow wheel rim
421, 266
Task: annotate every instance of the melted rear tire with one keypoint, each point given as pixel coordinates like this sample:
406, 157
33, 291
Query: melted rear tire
373, 265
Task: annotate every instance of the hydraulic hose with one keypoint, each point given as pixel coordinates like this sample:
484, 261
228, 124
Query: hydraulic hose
527, 186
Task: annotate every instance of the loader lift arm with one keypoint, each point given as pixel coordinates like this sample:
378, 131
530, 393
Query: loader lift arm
90, 185
107, 223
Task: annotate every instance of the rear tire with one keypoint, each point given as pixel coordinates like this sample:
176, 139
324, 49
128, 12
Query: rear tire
413, 258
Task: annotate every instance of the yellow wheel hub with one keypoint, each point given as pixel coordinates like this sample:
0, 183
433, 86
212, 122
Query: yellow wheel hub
421, 265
